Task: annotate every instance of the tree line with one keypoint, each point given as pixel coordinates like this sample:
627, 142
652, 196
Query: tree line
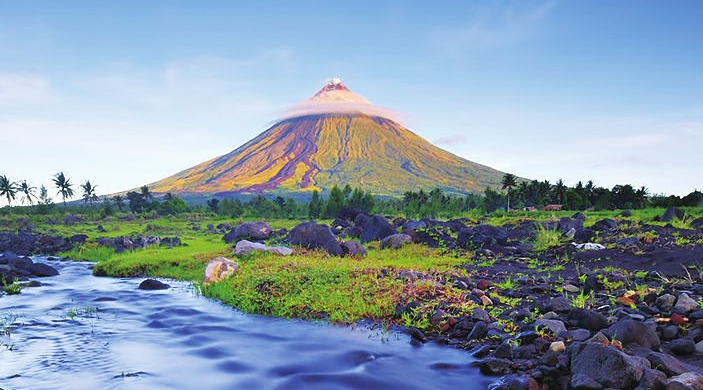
513, 194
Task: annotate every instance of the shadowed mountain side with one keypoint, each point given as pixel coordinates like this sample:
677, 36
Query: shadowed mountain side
318, 151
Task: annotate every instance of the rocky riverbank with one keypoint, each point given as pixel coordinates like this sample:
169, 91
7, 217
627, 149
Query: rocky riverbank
614, 305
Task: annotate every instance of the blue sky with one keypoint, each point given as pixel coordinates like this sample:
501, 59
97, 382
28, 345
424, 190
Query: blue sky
126, 93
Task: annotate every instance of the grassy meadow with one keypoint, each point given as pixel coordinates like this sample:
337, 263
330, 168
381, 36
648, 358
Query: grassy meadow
313, 284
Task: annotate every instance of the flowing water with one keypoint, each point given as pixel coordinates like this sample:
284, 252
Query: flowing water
78, 331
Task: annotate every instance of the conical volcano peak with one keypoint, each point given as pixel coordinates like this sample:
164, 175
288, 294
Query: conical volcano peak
335, 92
335, 137
333, 85
336, 98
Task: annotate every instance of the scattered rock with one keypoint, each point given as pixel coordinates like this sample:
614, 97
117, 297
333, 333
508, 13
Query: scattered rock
685, 381
606, 365
374, 227
218, 269
153, 284
354, 248
311, 235
686, 304
479, 331
629, 331
555, 326
245, 247
256, 231
395, 241
671, 213
42, 270
667, 364
557, 346
665, 302
683, 346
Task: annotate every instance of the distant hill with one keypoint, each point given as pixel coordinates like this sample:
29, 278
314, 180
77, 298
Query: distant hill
335, 137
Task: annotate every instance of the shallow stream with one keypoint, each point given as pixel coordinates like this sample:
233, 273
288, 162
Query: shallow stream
78, 331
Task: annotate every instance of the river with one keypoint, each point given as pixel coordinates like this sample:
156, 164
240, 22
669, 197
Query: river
77, 331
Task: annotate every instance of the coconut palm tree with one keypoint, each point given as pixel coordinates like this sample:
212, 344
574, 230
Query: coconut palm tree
89, 195
509, 181
64, 185
559, 191
119, 201
27, 192
7, 189
146, 193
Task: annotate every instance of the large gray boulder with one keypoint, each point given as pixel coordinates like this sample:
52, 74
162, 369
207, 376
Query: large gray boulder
634, 332
395, 241
245, 247
255, 231
605, 365
311, 235
374, 227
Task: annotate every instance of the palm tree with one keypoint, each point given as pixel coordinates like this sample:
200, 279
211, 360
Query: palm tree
27, 192
89, 195
509, 181
119, 201
559, 190
146, 193
7, 189
64, 186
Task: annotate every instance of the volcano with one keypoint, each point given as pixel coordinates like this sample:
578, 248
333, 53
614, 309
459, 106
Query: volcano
336, 137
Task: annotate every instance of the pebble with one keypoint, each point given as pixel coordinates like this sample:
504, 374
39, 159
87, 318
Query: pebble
665, 302
557, 346
486, 301
686, 304
570, 288
683, 346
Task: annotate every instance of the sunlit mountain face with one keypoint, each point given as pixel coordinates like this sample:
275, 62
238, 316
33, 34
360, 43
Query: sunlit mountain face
334, 137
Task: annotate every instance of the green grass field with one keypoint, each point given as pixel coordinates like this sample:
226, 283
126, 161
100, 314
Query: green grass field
309, 284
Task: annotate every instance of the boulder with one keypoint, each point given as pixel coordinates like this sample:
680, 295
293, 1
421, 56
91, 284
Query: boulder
686, 304
630, 331
482, 236
170, 242
245, 247
665, 363
78, 238
605, 225
256, 231
415, 225
566, 224
153, 284
671, 213
42, 270
606, 365
354, 248
71, 220
395, 241
665, 302
652, 380
683, 346
311, 235
374, 227
219, 268
587, 319
685, 381
555, 326
584, 234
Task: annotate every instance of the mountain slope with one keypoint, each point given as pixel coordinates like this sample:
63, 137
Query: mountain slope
335, 137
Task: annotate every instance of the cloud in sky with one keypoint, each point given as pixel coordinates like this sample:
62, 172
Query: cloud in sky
23, 89
454, 139
123, 126
493, 26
